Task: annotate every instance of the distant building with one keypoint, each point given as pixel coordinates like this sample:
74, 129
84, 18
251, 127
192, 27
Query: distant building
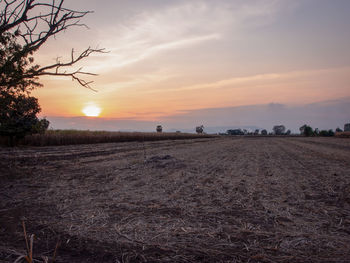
347, 127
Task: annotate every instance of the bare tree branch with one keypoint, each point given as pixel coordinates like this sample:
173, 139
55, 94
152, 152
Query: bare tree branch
33, 22
54, 69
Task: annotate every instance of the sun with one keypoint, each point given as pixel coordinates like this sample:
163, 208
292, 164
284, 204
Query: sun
91, 111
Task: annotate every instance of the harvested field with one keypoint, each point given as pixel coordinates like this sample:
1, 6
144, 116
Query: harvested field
230, 199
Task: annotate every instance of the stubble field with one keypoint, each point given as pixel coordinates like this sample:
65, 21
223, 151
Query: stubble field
228, 199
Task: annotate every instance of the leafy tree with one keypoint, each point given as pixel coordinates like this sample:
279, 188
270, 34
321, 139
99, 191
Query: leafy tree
279, 129
326, 133
159, 128
317, 132
306, 130
331, 132
264, 132
25, 26
199, 129
338, 130
288, 132
18, 116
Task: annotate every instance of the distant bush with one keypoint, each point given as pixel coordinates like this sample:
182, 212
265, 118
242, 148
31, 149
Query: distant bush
235, 132
264, 132
326, 133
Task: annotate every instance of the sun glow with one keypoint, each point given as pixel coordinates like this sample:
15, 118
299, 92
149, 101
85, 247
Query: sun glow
91, 111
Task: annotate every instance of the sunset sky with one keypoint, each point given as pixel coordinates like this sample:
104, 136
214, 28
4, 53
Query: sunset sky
169, 59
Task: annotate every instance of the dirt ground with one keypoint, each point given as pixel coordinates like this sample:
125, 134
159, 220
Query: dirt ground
229, 199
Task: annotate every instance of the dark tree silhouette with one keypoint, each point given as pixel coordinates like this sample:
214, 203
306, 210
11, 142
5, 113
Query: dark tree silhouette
235, 132
279, 129
200, 129
338, 130
159, 128
326, 133
25, 26
18, 116
306, 130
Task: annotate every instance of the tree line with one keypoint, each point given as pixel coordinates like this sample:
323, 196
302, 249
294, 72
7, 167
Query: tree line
305, 130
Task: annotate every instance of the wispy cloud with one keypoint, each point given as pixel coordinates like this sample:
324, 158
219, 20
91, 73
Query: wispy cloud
120, 58
260, 79
179, 26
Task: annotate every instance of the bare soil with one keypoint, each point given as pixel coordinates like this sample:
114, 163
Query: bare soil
229, 199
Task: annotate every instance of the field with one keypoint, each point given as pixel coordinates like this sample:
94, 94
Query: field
224, 199
69, 137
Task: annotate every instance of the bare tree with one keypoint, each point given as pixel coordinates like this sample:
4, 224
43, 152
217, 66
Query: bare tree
25, 25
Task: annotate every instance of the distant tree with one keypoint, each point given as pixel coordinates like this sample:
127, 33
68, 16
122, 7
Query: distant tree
245, 132
326, 133
338, 130
288, 132
316, 131
306, 130
200, 129
256, 132
159, 128
347, 127
235, 132
279, 129
264, 132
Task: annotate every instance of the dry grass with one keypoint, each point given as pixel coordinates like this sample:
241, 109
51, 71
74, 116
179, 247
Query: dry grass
28, 256
69, 137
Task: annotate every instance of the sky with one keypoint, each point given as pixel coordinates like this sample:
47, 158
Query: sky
223, 63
